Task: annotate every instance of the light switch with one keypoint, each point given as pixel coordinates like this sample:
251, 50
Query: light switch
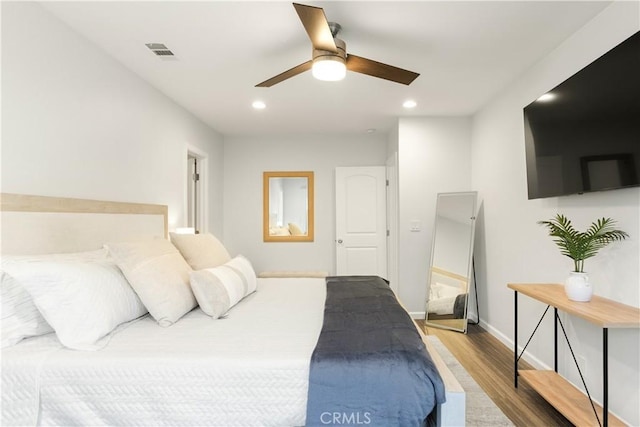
415, 225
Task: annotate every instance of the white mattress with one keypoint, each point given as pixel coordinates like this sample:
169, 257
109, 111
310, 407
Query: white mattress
251, 368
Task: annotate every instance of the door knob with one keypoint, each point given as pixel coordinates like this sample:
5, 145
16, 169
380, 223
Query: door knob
339, 241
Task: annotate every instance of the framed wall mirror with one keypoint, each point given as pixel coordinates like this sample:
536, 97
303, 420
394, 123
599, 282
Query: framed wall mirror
451, 261
287, 207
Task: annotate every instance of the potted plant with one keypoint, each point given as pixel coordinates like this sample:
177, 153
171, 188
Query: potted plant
579, 246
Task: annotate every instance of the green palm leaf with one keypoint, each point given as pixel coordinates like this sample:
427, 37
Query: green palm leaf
582, 245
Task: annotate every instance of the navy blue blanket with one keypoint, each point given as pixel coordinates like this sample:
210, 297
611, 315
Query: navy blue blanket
370, 366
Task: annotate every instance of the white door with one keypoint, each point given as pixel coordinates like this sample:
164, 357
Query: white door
361, 225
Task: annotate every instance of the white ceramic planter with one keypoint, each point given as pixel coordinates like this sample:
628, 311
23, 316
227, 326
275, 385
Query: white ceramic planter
577, 287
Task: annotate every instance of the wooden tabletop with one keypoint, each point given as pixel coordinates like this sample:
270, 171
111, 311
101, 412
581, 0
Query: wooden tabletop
600, 311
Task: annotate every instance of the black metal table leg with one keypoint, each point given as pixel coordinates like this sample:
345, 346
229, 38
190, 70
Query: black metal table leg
605, 377
515, 340
555, 339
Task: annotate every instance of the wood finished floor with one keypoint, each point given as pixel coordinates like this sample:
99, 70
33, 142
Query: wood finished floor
490, 363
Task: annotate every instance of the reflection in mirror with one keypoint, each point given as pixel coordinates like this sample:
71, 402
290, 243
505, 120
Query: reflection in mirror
451, 257
287, 207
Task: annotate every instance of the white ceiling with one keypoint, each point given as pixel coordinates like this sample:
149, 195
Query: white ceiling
465, 52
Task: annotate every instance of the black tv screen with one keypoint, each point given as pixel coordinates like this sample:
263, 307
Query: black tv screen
584, 134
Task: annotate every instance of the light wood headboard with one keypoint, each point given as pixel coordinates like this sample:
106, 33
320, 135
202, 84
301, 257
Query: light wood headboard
40, 224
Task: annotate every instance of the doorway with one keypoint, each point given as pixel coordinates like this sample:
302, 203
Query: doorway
196, 201
361, 221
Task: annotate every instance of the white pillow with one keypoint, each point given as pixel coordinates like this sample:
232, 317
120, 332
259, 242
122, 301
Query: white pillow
220, 288
200, 250
295, 230
447, 291
434, 291
82, 301
159, 275
20, 316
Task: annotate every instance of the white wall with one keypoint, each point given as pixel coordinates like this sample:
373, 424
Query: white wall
434, 157
245, 159
76, 123
511, 247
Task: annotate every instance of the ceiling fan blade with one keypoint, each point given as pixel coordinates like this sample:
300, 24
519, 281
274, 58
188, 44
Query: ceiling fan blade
305, 66
380, 70
315, 22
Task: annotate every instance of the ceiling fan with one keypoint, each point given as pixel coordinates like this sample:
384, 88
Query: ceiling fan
330, 59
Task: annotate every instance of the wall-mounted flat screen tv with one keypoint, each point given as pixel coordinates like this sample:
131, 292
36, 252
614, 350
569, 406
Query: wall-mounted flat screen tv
584, 134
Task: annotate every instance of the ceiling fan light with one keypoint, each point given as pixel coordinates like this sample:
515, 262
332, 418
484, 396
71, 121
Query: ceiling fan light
329, 68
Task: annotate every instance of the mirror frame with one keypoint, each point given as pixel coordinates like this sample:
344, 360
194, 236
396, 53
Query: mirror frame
435, 270
265, 206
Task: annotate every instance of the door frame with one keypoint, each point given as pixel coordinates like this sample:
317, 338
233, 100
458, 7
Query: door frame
202, 207
392, 221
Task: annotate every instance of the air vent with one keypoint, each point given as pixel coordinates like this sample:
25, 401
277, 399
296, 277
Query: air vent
163, 52
159, 49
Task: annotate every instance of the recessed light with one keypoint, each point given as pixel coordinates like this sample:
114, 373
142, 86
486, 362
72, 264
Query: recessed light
409, 103
371, 130
546, 97
259, 105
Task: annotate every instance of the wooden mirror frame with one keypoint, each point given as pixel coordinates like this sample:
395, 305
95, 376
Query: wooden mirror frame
266, 176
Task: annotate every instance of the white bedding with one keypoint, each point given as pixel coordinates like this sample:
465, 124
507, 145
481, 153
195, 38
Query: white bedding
250, 368
442, 305
442, 296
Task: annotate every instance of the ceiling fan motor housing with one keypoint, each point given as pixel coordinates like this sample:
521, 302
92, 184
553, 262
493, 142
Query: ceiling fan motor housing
320, 54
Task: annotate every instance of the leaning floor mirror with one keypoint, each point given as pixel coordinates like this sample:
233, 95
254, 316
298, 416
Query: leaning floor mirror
451, 261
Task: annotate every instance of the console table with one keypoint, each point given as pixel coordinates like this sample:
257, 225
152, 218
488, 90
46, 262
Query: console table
567, 399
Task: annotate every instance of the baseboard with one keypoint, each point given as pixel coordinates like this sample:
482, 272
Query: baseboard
534, 361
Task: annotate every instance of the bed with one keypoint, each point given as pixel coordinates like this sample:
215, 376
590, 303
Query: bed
249, 367
447, 295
